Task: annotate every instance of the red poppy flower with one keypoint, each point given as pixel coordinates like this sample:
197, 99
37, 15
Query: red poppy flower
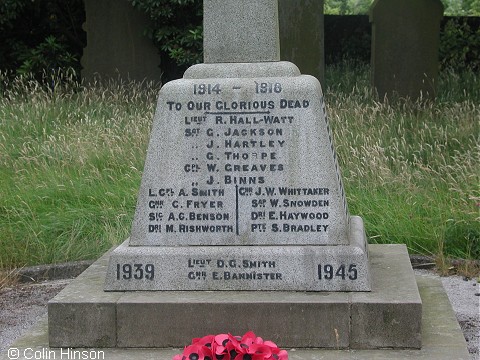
278, 354
255, 352
229, 347
250, 347
195, 352
270, 344
219, 347
242, 343
205, 341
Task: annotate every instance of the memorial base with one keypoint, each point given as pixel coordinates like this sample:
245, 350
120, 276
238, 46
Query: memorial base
279, 268
84, 315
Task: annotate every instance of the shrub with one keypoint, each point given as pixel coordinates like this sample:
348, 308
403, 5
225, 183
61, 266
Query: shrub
176, 29
41, 36
460, 45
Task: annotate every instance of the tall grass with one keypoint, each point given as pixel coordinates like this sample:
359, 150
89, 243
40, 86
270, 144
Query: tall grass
411, 169
71, 162
70, 166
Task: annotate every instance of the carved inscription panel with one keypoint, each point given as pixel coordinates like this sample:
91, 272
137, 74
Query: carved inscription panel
241, 162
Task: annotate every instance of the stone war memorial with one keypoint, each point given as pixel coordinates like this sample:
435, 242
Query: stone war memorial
241, 187
242, 224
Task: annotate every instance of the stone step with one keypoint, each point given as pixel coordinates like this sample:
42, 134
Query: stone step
83, 315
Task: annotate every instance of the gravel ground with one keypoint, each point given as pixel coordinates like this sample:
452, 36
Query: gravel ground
22, 305
464, 295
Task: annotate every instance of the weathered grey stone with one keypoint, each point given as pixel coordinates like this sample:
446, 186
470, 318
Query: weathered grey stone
379, 322
296, 319
241, 166
301, 35
83, 314
441, 335
441, 319
250, 162
307, 268
293, 320
370, 320
405, 42
240, 31
116, 46
52, 271
242, 70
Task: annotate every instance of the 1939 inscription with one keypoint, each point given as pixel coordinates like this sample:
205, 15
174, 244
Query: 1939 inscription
135, 271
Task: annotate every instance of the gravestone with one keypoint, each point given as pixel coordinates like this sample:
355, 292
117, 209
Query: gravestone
302, 35
241, 188
405, 42
116, 46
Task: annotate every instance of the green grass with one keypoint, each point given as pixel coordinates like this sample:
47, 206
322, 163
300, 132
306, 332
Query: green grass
71, 162
70, 168
411, 169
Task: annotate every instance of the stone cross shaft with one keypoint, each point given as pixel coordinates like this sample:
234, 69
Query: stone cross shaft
241, 31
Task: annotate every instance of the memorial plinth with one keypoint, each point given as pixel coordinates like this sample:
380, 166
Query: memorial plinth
389, 316
241, 191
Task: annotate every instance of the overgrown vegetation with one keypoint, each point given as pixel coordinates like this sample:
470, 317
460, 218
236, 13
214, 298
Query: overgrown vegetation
71, 161
411, 169
70, 166
361, 7
460, 45
41, 37
177, 31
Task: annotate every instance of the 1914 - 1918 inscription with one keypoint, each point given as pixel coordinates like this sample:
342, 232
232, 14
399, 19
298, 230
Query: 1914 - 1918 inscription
239, 158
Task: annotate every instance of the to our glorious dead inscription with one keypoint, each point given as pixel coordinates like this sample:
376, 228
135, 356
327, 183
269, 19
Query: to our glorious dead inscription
245, 158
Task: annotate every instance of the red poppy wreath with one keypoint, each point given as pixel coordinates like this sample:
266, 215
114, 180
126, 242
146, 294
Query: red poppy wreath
229, 347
